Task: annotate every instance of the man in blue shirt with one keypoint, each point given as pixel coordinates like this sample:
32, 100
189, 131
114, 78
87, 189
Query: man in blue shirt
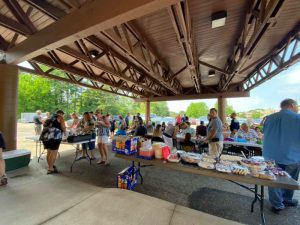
214, 134
282, 144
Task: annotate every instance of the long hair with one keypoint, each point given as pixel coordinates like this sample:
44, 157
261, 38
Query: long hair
157, 131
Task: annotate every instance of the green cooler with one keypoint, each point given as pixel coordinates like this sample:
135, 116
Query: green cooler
16, 159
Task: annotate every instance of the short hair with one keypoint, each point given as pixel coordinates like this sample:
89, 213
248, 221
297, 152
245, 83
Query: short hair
60, 112
38, 111
287, 102
202, 122
214, 109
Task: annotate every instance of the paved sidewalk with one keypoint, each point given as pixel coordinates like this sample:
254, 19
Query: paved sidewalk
33, 198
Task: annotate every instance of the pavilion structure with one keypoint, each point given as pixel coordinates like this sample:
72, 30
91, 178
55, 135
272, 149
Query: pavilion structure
148, 50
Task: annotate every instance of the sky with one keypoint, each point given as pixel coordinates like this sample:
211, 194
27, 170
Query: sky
268, 95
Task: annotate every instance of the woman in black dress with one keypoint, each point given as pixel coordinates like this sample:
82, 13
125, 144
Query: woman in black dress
51, 136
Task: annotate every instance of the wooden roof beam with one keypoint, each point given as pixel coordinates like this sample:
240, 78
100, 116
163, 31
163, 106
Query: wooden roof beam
14, 26
50, 10
196, 96
213, 67
243, 50
65, 67
3, 44
138, 59
98, 15
98, 43
180, 17
71, 81
148, 46
69, 51
20, 15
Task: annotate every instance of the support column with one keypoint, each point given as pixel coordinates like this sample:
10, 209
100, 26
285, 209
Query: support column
8, 101
222, 109
147, 115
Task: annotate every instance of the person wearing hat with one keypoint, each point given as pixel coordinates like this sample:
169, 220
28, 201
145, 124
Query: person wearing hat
51, 136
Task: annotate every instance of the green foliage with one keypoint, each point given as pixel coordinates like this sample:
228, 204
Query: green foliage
256, 114
229, 108
36, 93
241, 114
197, 109
160, 108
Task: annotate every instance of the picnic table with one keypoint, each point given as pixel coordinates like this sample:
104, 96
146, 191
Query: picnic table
77, 150
283, 182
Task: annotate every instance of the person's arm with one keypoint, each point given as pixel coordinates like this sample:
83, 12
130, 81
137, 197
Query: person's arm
62, 123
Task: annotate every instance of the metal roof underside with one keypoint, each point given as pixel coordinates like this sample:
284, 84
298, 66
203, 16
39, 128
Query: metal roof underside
152, 49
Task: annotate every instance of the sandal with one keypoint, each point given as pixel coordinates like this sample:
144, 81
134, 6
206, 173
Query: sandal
93, 158
3, 181
101, 162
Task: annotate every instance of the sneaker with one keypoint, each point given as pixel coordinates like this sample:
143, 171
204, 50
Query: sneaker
275, 211
292, 203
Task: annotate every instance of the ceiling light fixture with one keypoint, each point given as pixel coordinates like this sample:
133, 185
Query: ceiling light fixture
94, 53
211, 73
218, 19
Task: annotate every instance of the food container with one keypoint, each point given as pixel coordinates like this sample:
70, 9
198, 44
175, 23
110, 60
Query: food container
189, 157
146, 152
173, 158
206, 165
157, 147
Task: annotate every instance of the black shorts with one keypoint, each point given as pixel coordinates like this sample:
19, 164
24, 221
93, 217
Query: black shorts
112, 129
52, 144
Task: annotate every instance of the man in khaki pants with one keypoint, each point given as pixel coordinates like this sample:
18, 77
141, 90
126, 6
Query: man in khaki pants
3, 178
214, 134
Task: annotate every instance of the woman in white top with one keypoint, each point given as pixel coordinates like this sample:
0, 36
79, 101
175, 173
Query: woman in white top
103, 134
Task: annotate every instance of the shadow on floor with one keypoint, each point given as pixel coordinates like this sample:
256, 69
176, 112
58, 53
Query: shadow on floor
213, 196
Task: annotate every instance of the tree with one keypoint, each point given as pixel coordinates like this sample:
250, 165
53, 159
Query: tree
228, 110
37, 92
160, 108
197, 109
256, 114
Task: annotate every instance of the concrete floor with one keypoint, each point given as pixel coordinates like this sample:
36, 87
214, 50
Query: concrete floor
213, 196
32, 197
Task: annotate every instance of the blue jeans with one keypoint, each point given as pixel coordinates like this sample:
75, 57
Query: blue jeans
91, 145
277, 195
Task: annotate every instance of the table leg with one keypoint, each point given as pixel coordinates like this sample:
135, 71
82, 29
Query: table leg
75, 159
262, 215
139, 172
255, 198
36, 148
88, 156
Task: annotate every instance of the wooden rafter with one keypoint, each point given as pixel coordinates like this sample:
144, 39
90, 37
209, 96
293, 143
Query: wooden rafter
100, 17
69, 69
14, 26
38, 71
98, 43
50, 10
92, 62
152, 53
180, 17
20, 15
142, 61
275, 63
258, 19
3, 44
